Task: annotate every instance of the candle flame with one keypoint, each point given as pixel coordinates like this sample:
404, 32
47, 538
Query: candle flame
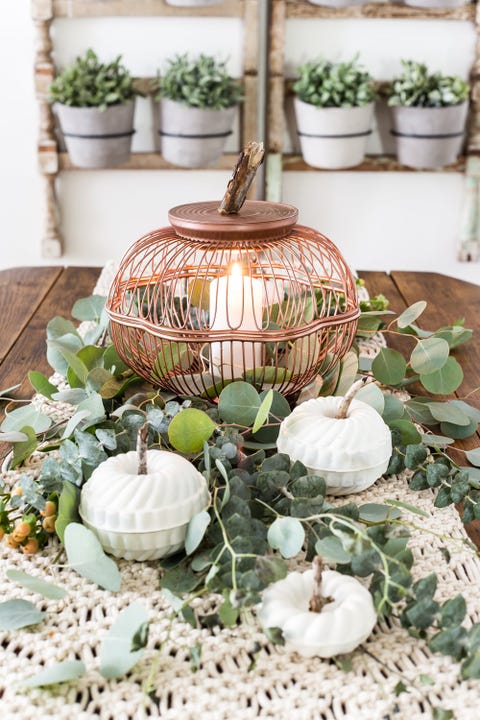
236, 271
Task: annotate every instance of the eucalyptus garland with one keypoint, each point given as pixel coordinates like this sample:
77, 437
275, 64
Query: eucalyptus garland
264, 509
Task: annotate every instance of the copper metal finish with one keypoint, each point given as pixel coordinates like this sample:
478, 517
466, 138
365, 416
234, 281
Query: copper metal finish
250, 296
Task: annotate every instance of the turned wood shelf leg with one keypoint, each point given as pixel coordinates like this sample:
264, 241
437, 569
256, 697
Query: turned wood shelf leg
42, 13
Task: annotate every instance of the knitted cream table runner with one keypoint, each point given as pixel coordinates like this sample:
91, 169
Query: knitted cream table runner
280, 685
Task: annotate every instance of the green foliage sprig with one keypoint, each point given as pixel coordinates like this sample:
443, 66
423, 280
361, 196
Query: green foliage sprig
202, 82
90, 83
264, 510
326, 84
416, 87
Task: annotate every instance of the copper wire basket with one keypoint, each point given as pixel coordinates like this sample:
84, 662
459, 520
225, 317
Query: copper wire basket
250, 296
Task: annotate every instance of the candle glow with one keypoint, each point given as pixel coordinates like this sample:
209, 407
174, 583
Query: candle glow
235, 305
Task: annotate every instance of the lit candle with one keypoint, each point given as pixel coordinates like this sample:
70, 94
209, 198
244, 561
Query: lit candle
236, 305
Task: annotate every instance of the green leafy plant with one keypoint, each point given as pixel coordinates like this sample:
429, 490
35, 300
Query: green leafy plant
416, 87
201, 82
326, 84
264, 509
90, 83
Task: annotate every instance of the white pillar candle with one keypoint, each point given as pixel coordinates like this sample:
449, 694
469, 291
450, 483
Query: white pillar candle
235, 305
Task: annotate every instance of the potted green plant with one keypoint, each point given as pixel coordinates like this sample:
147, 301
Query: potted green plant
198, 103
334, 105
429, 113
95, 105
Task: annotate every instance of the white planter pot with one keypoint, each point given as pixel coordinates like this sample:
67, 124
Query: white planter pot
333, 138
434, 3
193, 137
429, 137
96, 138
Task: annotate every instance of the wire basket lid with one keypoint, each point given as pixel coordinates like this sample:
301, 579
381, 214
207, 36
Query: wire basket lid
257, 219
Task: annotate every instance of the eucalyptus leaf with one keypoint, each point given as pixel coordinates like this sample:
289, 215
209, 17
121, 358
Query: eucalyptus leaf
69, 343
86, 556
409, 433
94, 405
331, 550
433, 440
472, 412
24, 416
13, 437
196, 530
23, 449
189, 429
348, 373
267, 375
393, 409
74, 422
287, 535
89, 308
16, 614
444, 381
373, 396
446, 412
116, 656
41, 384
473, 456
59, 673
409, 315
459, 432
59, 327
419, 411
73, 396
238, 403
263, 411
429, 355
389, 366
72, 359
406, 506
377, 513
42, 587
166, 360
68, 504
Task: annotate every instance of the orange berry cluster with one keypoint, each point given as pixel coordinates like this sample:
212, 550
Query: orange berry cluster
31, 531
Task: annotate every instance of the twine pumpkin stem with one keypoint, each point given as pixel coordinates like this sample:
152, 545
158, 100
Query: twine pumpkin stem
142, 446
345, 404
318, 601
244, 171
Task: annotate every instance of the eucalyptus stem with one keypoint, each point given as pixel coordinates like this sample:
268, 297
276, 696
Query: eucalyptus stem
142, 447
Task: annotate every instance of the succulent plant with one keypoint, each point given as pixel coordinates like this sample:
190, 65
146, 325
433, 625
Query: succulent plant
90, 83
201, 82
417, 88
326, 84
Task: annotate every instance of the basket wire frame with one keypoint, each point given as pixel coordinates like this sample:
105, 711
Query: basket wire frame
190, 315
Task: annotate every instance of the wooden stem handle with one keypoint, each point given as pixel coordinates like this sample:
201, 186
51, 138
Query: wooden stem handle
244, 171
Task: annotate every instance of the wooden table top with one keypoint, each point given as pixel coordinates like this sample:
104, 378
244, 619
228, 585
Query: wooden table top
31, 296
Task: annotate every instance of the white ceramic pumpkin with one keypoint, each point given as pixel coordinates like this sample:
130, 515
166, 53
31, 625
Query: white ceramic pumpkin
143, 516
341, 625
350, 452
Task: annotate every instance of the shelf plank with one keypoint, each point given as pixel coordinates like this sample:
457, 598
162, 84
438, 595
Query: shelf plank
372, 163
151, 161
380, 10
142, 8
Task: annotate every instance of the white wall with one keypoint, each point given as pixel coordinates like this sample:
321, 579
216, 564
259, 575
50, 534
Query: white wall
379, 220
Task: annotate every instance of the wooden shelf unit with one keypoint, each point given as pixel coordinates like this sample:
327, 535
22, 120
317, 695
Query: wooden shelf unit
52, 160
280, 86
385, 10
